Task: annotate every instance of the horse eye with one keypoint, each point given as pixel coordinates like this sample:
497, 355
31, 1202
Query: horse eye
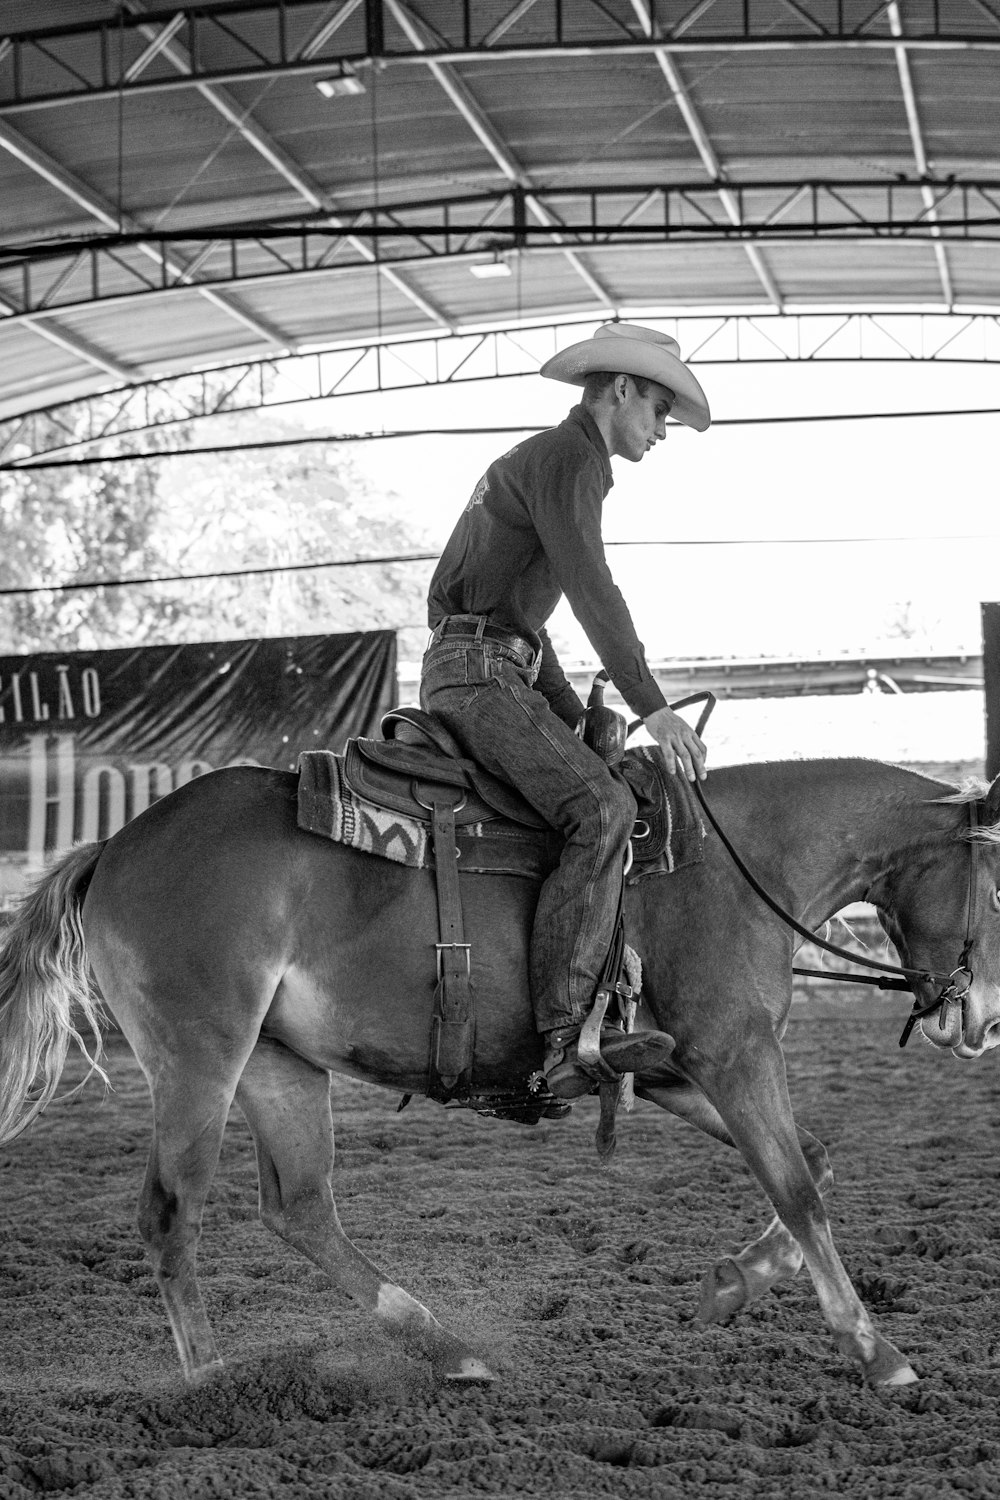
995, 893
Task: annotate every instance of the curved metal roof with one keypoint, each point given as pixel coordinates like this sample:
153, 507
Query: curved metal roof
200, 185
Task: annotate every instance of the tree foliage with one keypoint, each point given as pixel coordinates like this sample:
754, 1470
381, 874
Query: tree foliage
213, 514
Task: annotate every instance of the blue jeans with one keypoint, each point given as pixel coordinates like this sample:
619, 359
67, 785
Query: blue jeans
484, 693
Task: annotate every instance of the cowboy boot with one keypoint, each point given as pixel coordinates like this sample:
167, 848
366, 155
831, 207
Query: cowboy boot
569, 1076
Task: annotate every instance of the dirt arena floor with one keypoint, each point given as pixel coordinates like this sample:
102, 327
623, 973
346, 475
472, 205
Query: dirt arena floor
578, 1285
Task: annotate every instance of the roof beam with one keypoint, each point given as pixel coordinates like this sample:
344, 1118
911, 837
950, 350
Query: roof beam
987, 10
53, 277
72, 343
803, 15
158, 41
81, 59
919, 149
475, 117
604, 252
56, 175
258, 138
510, 19
736, 338
48, 328
162, 42
324, 30
46, 167
83, 349
706, 151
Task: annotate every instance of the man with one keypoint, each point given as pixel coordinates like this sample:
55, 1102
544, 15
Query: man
530, 533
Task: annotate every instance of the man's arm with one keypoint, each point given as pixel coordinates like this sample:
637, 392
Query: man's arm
683, 750
567, 499
553, 683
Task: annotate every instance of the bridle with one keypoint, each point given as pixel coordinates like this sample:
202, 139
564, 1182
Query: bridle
955, 986
955, 992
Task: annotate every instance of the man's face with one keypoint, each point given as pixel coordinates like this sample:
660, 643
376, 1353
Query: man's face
639, 420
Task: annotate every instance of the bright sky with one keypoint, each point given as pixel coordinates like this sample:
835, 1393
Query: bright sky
928, 485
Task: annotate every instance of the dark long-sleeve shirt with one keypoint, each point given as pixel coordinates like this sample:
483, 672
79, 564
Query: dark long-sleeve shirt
532, 532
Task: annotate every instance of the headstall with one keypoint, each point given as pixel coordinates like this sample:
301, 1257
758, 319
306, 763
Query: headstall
955, 986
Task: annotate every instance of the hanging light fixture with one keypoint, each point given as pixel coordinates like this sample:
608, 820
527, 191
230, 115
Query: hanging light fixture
487, 270
340, 84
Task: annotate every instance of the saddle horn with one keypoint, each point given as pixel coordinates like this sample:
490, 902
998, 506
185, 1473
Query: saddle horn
604, 730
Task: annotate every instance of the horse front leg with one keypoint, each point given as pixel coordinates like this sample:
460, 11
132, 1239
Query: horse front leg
750, 1092
286, 1101
776, 1255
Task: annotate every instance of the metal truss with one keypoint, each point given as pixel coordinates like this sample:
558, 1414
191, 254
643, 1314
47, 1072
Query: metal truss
112, 422
42, 278
257, 39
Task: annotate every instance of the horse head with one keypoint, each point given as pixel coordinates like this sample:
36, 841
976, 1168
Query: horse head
942, 911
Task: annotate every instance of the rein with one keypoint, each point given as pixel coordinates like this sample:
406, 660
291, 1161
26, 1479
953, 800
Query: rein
954, 989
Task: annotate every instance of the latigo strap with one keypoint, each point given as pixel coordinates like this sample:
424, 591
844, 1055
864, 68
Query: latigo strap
453, 1029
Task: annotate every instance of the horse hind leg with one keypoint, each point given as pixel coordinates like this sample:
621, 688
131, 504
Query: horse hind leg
286, 1102
190, 1109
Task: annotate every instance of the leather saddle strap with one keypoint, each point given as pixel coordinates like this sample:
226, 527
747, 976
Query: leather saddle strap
453, 1026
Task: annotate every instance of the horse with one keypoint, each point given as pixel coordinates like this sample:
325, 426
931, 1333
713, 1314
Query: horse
245, 959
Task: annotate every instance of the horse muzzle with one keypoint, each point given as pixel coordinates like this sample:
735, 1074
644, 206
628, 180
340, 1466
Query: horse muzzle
944, 1029
966, 1024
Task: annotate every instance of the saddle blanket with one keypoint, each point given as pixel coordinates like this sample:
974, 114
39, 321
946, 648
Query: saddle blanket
329, 806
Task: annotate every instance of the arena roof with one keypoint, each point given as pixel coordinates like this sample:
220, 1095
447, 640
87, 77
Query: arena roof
200, 185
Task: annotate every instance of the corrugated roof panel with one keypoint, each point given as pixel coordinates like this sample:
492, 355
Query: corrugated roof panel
164, 329
678, 275
958, 103
975, 273
797, 114
603, 118
884, 273
181, 157
318, 308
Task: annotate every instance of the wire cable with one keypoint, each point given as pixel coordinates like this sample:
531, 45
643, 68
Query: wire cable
28, 465
412, 557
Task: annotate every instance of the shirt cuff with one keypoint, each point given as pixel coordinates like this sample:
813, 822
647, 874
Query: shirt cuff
644, 698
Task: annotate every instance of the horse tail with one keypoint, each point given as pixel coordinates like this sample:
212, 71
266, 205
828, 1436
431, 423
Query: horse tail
44, 979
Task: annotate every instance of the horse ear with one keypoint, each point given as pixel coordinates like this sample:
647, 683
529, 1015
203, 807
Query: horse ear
991, 803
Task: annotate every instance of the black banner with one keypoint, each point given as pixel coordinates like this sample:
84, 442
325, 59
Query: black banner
88, 739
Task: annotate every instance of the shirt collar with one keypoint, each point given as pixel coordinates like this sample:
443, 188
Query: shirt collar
580, 417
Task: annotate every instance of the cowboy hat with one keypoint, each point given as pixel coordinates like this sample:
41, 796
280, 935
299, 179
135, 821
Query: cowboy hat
629, 349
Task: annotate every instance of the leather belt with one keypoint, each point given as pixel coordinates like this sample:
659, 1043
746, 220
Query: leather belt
473, 626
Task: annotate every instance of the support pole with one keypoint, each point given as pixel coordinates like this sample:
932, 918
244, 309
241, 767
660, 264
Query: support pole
374, 28
991, 674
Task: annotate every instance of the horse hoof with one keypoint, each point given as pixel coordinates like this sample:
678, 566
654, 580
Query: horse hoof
889, 1367
905, 1375
723, 1293
469, 1371
205, 1373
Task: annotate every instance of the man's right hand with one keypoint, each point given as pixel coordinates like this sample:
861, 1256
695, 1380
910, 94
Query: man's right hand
683, 750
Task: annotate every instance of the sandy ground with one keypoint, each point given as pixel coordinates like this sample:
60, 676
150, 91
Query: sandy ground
578, 1285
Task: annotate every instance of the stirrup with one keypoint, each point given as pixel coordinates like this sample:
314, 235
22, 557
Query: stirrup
588, 1050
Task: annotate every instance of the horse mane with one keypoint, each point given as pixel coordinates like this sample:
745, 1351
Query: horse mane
974, 789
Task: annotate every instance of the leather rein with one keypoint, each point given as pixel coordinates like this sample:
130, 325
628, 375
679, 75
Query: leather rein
955, 986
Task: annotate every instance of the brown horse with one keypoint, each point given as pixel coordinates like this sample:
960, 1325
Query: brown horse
245, 959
